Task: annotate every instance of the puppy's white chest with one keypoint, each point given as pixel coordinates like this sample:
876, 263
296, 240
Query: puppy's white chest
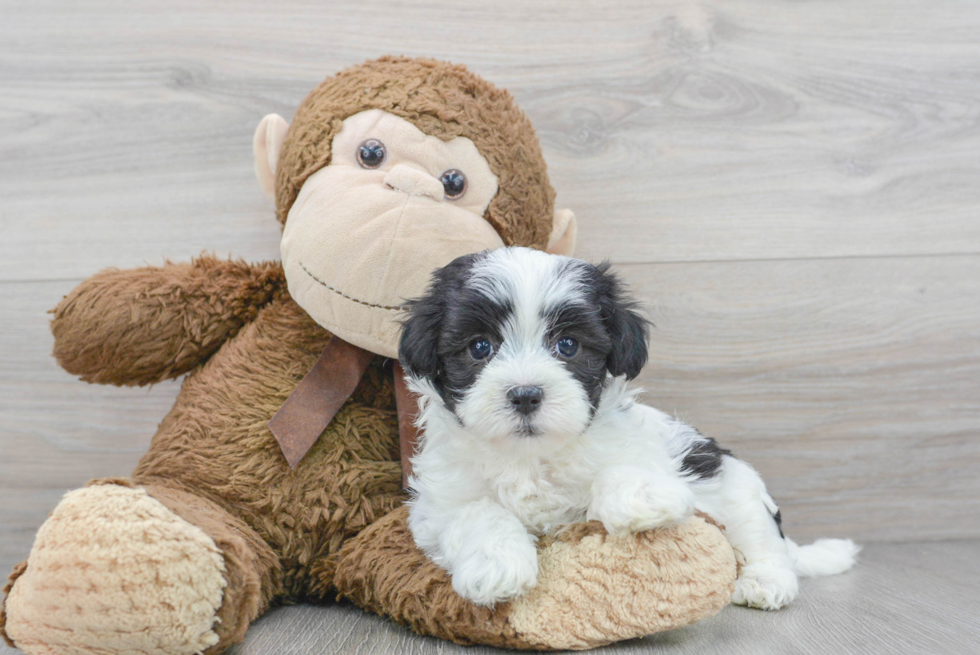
542, 500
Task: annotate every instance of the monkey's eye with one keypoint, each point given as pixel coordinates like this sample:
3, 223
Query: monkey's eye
480, 348
371, 153
567, 347
454, 183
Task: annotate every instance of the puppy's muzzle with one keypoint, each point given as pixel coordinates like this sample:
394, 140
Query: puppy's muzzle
525, 400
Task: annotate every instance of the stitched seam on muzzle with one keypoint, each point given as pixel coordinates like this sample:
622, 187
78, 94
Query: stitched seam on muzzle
344, 295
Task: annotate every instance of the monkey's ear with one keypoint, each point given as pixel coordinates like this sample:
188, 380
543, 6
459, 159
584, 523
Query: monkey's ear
266, 145
563, 234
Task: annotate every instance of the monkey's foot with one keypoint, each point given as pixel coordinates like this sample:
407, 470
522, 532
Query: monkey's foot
113, 570
592, 589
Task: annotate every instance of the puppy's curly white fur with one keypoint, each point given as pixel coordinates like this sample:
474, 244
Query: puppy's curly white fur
522, 360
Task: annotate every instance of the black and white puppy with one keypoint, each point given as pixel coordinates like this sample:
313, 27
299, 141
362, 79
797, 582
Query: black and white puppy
522, 359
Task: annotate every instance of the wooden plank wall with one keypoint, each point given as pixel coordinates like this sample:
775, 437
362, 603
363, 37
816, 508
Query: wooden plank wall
793, 189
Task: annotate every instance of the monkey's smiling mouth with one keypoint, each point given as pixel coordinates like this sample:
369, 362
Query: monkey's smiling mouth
351, 298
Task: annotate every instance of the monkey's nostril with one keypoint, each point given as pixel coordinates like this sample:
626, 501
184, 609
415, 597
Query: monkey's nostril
525, 400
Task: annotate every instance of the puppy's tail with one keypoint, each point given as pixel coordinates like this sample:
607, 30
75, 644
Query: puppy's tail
823, 556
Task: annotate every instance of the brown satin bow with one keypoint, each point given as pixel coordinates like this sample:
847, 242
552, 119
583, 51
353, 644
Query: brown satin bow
323, 391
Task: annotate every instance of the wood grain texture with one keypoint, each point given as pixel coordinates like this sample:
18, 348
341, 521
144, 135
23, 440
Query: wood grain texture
678, 131
851, 384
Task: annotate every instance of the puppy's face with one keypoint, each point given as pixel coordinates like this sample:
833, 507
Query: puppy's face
518, 343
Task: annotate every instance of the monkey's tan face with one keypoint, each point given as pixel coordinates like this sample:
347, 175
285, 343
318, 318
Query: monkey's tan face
366, 232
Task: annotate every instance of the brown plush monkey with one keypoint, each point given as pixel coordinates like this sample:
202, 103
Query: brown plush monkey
389, 170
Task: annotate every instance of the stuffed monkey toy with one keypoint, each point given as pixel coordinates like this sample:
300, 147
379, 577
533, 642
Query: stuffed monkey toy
276, 478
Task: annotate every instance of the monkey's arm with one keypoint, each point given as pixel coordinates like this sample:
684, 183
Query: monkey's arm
149, 324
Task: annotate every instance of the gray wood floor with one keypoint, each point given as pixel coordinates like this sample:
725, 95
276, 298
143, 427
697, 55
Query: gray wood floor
792, 188
906, 598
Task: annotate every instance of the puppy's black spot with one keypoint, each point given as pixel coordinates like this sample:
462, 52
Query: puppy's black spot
778, 518
703, 459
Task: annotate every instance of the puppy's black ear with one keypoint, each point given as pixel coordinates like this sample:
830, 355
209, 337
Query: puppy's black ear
627, 330
418, 350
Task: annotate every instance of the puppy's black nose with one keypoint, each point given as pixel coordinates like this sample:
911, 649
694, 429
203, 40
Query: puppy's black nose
525, 400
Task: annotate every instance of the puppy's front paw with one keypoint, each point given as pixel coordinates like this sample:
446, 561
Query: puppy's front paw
491, 575
765, 585
633, 500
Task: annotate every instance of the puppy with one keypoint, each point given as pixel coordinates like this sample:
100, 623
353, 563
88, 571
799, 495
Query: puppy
522, 360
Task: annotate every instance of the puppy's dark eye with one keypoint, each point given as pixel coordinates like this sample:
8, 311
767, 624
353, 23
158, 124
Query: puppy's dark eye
481, 349
567, 347
454, 183
371, 153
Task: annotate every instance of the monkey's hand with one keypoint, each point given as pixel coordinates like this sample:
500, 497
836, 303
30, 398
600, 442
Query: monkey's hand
149, 324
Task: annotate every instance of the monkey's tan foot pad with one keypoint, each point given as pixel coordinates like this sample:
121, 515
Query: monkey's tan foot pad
114, 571
592, 589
